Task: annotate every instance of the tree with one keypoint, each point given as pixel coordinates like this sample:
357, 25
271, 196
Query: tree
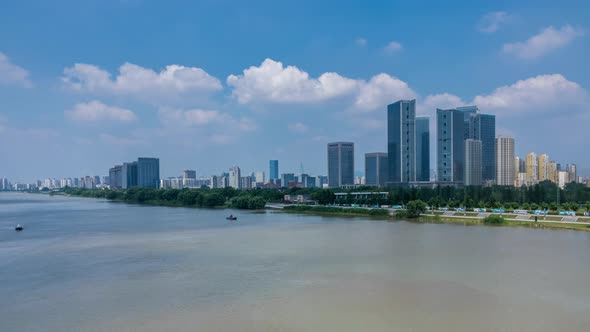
415, 208
574, 206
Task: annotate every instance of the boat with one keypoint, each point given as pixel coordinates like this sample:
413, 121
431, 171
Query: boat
231, 217
18, 228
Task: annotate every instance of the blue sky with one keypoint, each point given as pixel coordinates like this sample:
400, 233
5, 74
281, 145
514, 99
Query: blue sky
88, 84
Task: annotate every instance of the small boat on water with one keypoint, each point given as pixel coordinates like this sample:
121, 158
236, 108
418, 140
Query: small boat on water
231, 217
18, 228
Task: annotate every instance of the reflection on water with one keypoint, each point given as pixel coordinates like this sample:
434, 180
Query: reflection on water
91, 265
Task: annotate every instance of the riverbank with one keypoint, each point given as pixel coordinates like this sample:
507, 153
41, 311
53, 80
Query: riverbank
388, 215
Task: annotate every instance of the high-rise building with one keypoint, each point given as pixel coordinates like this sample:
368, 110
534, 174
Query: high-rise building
450, 128
148, 172
260, 177
552, 171
401, 141
115, 177
376, 169
340, 164
543, 164
273, 171
235, 177
422, 148
571, 172
517, 170
505, 161
128, 175
562, 178
532, 168
189, 174
482, 127
473, 158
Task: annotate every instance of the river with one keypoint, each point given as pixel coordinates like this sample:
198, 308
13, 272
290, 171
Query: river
93, 265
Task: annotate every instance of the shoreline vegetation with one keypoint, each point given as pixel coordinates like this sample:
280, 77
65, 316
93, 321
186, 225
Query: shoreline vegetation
415, 210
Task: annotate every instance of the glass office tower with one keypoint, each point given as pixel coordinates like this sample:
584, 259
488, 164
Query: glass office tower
376, 169
422, 149
273, 170
450, 127
148, 172
401, 141
340, 164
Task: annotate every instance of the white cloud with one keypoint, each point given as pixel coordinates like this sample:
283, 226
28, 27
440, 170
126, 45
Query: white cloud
428, 105
543, 93
491, 22
380, 91
95, 111
175, 118
361, 42
392, 47
140, 82
272, 82
13, 74
546, 41
298, 127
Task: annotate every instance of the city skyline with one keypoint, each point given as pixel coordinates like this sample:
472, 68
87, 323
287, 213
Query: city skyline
94, 98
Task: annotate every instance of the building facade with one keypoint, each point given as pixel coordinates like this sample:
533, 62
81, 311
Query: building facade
422, 148
376, 168
543, 164
115, 179
189, 174
234, 177
128, 175
532, 168
340, 164
148, 172
450, 128
273, 171
506, 165
473, 160
401, 141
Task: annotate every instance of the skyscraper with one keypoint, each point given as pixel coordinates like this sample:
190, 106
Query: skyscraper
401, 141
376, 169
543, 163
450, 128
148, 172
473, 158
235, 177
532, 168
422, 148
482, 127
273, 170
505, 161
128, 175
115, 179
340, 164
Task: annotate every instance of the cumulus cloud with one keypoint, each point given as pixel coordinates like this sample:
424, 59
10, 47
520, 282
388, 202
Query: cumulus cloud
140, 82
298, 127
392, 47
361, 42
429, 104
544, 42
549, 93
275, 83
175, 118
491, 22
95, 111
13, 74
381, 90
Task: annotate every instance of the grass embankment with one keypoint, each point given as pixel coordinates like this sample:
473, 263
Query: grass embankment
332, 210
509, 223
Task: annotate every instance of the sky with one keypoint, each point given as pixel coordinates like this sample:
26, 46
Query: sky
207, 85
